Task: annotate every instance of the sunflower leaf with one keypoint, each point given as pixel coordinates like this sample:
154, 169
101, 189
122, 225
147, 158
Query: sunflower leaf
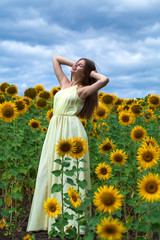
82, 184
89, 236
84, 169
59, 161
57, 172
66, 164
56, 188
69, 173
70, 181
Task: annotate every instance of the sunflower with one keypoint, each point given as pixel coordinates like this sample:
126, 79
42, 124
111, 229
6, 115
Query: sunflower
27, 101
41, 103
129, 101
30, 92
53, 91
34, 124
2, 223
147, 156
11, 90
39, 88
91, 134
21, 106
94, 121
154, 100
110, 229
107, 199
8, 111
74, 197
108, 99
149, 187
152, 141
64, 146
136, 109
27, 237
101, 112
52, 207
49, 115
119, 101
3, 86
44, 129
126, 118
149, 115
106, 146
138, 133
122, 107
118, 157
80, 147
44, 94
103, 171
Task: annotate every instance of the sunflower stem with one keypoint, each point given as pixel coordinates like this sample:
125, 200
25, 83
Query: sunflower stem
149, 229
78, 190
125, 215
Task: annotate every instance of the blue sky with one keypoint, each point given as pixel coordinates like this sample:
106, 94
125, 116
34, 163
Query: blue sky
121, 36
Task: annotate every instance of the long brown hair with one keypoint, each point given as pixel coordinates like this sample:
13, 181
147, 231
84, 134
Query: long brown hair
91, 101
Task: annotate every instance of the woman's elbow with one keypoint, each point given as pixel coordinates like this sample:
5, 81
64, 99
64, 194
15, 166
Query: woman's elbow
106, 80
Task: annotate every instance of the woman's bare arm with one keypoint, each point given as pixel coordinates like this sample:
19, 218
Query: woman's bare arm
57, 62
102, 81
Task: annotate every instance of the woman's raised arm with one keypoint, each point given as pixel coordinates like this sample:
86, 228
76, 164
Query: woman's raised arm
57, 62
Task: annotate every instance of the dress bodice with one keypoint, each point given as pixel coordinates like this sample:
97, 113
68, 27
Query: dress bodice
67, 102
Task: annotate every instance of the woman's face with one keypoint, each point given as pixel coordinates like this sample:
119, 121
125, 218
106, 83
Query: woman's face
78, 68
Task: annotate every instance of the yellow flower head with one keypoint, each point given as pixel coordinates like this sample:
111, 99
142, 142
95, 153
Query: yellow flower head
107, 199
21, 106
147, 156
64, 146
49, 115
44, 129
39, 88
8, 111
106, 146
2, 223
27, 101
136, 109
154, 100
34, 124
80, 147
30, 92
152, 141
110, 229
11, 90
44, 94
118, 157
52, 207
27, 237
138, 133
126, 118
53, 91
108, 99
149, 187
41, 103
74, 197
103, 171
101, 112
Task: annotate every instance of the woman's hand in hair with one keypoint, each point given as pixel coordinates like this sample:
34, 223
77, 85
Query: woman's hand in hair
99, 76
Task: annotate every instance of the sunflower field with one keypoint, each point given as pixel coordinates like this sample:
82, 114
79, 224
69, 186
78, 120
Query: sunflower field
124, 149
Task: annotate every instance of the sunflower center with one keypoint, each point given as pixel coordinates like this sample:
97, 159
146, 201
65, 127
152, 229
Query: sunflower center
138, 134
118, 158
151, 187
20, 105
52, 208
8, 111
110, 229
136, 109
74, 198
107, 147
11, 90
34, 124
2, 99
78, 147
125, 118
100, 112
147, 157
154, 100
107, 99
65, 147
41, 102
107, 199
103, 171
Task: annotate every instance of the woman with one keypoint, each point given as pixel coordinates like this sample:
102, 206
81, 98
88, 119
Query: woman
76, 97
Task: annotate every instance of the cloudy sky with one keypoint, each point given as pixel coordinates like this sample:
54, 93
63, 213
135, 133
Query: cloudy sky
121, 36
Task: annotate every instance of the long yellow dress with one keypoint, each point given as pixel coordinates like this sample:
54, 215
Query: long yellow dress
63, 124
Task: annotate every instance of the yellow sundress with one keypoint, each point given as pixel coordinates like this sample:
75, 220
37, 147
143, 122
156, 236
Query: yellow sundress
64, 124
